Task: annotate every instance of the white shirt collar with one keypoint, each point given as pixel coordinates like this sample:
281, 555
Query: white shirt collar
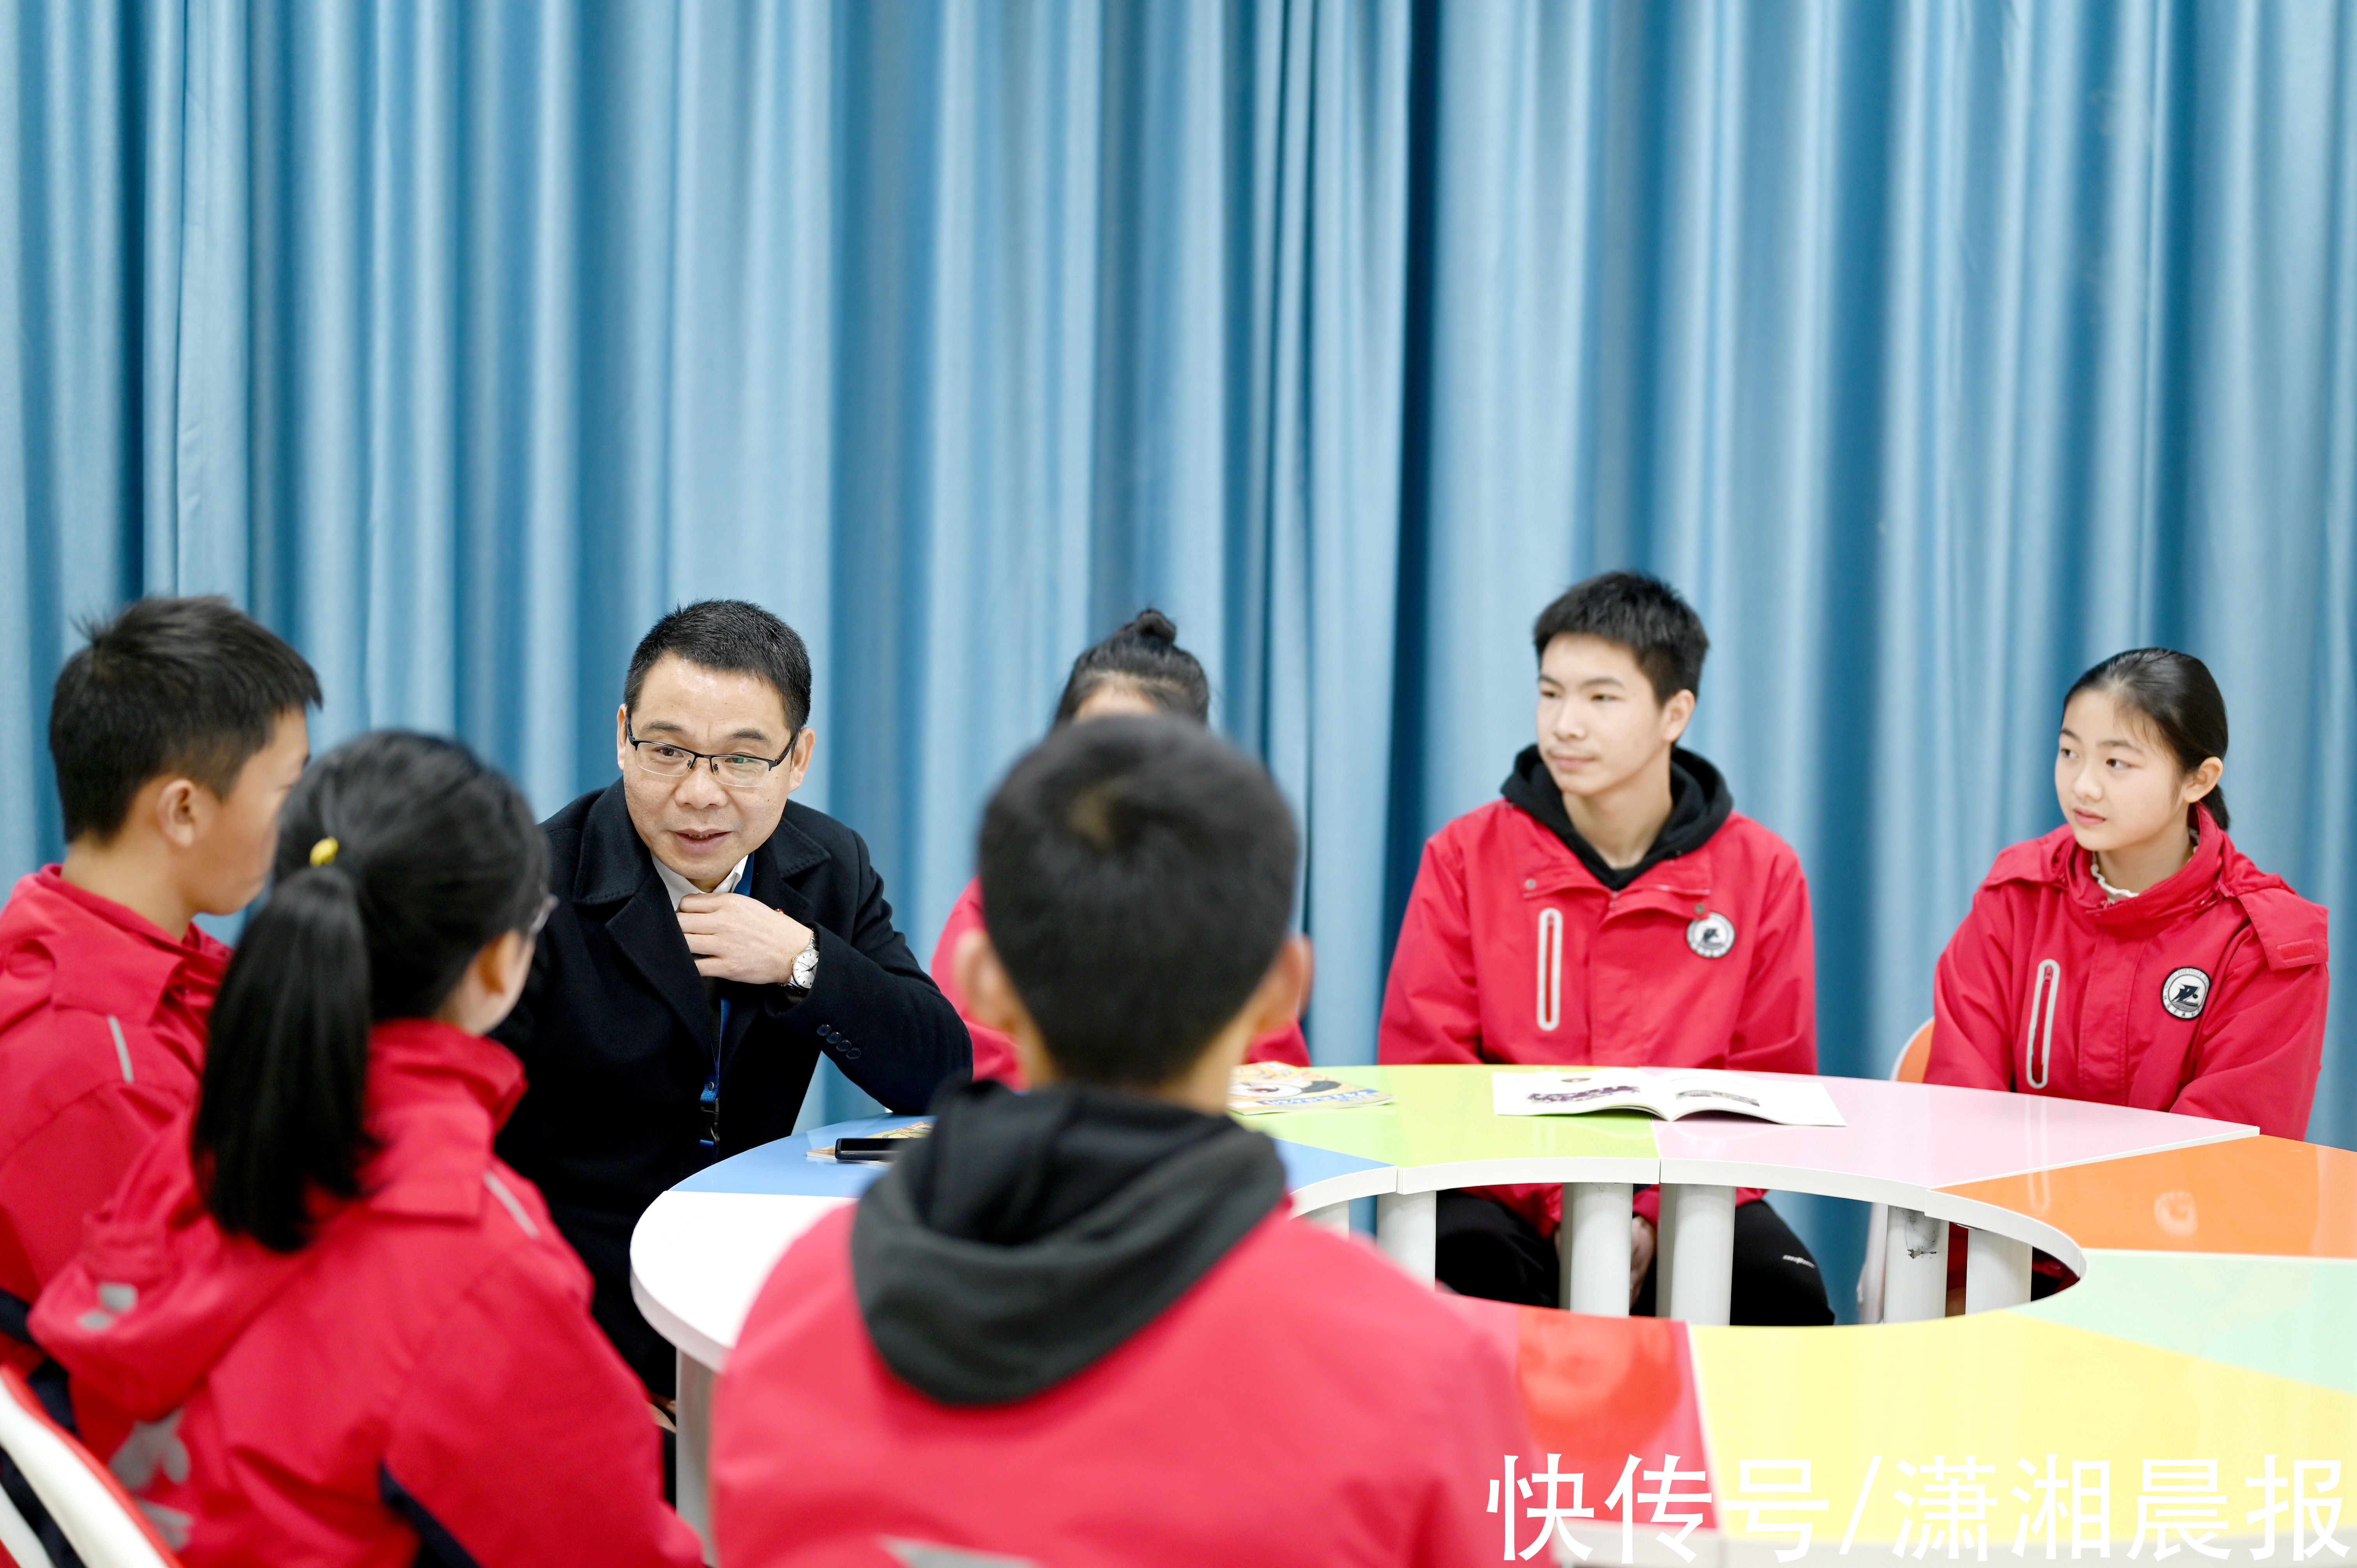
679, 887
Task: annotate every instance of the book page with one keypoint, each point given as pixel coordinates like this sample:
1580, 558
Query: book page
1571, 1093
1794, 1101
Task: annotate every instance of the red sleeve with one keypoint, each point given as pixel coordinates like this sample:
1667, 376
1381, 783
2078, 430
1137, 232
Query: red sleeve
1778, 1029
66, 1168
1476, 1420
1431, 1004
994, 1052
1971, 1010
2257, 1058
524, 1437
1285, 1045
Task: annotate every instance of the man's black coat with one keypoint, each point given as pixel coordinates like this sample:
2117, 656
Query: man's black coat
616, 1034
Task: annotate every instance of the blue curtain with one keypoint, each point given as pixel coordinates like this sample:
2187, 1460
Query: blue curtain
1935, 350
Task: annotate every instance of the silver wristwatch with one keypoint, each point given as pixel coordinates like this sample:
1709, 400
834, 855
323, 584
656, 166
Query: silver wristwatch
805, 973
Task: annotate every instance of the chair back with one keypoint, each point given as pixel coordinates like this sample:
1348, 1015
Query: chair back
89, 1506
1915, 1057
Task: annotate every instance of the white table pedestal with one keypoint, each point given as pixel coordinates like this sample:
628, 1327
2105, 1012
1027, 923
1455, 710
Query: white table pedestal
1595, 1243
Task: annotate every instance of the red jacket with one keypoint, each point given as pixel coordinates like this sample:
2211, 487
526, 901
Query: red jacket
101, 1042
1513, 952
994, 1052
425, 1367
1365, 1432
2202, 995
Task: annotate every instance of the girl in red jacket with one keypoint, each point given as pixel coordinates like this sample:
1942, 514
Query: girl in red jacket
1140, 670
2134, 955
320, 1322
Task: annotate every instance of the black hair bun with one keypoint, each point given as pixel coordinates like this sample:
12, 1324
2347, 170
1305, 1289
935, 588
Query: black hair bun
1153, 626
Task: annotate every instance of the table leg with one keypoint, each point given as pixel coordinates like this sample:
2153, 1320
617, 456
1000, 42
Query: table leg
1405, 1231
1914, 1267
1594, 1246
1334, 1216
1996, 1271
1697, 1241
693, 1419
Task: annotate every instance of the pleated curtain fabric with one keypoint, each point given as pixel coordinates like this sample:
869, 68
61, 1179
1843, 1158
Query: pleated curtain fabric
1935, 350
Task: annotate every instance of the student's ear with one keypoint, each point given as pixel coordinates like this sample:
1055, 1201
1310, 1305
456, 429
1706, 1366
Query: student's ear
2202, 780
1676, 713
1285, 988
182, 809
990, 999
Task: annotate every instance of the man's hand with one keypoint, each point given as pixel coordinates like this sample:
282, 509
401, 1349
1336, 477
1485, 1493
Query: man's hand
1641, 1258
735, 938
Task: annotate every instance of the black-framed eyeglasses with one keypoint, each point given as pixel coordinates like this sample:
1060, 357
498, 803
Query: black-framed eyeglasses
736, 769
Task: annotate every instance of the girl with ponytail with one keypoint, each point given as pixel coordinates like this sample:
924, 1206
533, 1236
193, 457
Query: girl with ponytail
1138, 670
320, 1321
2134, 955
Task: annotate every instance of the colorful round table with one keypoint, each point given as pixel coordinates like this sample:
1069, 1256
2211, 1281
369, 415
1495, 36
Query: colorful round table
2195, 1392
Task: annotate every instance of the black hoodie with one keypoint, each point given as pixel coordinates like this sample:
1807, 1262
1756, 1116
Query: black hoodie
1032, 1234
1699, 803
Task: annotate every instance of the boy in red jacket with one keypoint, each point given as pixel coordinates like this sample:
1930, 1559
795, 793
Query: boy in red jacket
1612, 908
1045, 1335
176, 732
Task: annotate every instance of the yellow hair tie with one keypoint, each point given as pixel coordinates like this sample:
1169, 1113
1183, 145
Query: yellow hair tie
324, 852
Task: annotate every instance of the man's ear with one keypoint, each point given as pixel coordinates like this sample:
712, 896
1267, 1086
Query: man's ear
182, 809
1285, 988
798, 758
622, 738
1676, 713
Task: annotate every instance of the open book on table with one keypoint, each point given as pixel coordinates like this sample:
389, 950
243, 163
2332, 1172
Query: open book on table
1668, 1092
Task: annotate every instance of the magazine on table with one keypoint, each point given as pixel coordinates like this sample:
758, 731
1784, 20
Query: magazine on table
1666, 1092
1258, 1088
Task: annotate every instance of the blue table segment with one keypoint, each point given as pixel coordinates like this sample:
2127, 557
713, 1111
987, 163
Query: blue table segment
785, 1166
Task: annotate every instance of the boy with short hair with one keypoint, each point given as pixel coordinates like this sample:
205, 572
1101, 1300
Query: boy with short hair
1612, 908
177, 731
1044, 1336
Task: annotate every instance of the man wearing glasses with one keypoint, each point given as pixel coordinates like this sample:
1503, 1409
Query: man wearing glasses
710, 939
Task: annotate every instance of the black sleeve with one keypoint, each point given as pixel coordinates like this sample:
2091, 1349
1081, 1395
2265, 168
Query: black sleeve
876, 1011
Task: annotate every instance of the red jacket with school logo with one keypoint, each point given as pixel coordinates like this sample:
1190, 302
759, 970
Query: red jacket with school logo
101, 1042
423, 1372
1513, 952
1364, 1432
994, 1052
2204, 994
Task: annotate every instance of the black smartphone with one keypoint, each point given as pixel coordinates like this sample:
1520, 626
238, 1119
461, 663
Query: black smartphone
874, 1149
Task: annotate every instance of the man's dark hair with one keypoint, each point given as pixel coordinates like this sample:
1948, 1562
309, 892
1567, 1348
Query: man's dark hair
733, 636
1640, 613
192, 688
1137, 880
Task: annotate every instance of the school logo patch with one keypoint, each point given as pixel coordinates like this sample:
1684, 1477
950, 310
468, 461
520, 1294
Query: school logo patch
2184, 991
1713, 935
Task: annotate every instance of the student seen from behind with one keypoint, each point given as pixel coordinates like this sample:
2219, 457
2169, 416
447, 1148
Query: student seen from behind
1139, 669
2134, 955
1045, 1335
175, 730
1611, 907
320, 1321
